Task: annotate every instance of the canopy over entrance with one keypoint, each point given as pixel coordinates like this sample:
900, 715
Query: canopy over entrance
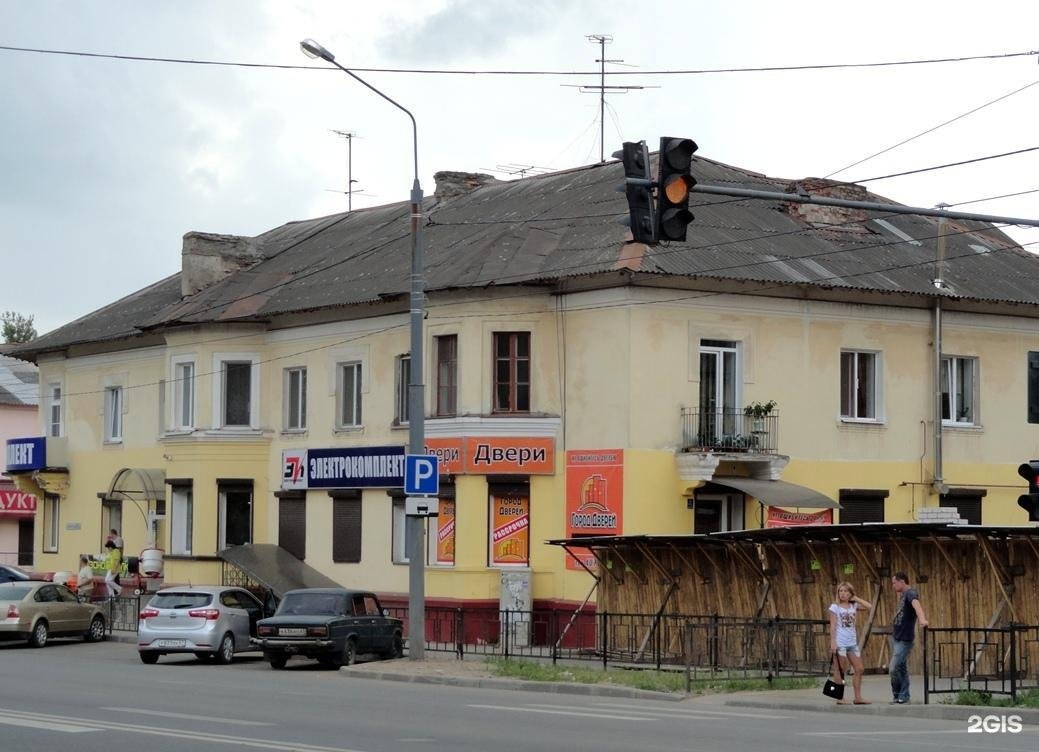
139, 484
774, 493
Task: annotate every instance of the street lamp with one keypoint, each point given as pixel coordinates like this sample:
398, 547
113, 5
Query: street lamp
416, 395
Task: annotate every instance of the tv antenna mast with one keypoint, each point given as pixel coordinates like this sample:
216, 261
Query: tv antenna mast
349, 136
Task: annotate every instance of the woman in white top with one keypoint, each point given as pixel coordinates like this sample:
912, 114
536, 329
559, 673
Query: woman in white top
843, 638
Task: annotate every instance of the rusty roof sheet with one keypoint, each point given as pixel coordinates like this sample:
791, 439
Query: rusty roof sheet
551, 230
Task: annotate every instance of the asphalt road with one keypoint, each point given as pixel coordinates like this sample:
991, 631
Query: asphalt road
101, 698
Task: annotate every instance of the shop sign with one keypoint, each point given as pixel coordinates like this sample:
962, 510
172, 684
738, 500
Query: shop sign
354, 467
783, 518
26, 454
494, 455
510, 530
445, 532
17, 504
594, 498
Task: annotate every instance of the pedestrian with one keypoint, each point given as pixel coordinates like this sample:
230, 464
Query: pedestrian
113, 535
85, 578
113, 564
844, 640
903, 632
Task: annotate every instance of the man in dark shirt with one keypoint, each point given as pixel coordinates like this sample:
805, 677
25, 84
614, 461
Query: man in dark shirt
903, 632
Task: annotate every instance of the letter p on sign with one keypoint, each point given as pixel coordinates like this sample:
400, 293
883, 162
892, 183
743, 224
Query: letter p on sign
421, 475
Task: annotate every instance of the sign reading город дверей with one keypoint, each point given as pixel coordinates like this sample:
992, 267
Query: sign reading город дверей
356, 467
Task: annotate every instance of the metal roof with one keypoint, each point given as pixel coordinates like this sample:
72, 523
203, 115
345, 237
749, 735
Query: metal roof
560, 231
19, 383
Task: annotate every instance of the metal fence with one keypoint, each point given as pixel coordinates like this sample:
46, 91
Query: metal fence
710, 645
997, 660
121, 613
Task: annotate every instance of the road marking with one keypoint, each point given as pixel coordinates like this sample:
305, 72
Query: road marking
35, 723
87, 724
213, 719
691, 712
564, 712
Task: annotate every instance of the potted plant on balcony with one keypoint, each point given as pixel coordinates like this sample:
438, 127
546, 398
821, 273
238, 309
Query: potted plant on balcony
757, 411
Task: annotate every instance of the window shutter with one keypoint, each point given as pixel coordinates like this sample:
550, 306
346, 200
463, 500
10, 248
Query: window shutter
292, 526
346, 530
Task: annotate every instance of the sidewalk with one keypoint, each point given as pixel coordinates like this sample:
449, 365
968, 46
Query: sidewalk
445, 669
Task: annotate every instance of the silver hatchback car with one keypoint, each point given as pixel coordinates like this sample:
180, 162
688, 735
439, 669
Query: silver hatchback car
213, 622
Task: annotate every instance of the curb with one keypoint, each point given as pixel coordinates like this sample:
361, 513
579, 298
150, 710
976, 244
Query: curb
595, 690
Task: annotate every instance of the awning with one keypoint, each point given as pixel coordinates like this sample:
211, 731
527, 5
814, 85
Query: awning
139, 484
776, 493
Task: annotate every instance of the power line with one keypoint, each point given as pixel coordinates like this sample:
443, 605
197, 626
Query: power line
932, 130
505, 72
949, 164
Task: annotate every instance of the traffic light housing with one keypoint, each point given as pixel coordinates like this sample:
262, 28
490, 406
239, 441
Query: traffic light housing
1030, 501
673, 186
638, 187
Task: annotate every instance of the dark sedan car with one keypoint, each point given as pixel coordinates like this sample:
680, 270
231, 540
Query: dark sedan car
331, 625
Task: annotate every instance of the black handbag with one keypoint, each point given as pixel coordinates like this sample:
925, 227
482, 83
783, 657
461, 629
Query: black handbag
832, 688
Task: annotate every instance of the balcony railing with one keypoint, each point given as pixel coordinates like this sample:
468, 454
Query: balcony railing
729, 430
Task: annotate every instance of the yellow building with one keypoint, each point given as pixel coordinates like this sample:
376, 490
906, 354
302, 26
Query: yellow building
779, 362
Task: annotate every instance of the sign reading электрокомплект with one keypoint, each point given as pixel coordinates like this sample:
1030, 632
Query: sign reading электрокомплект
354, 467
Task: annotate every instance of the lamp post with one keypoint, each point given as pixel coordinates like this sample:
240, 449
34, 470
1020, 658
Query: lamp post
416, 395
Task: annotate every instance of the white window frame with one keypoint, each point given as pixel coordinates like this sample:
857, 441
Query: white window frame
877, 395
55, 410
183, 373
951, 386
181, 519
51, 524
403, 381
219, 362
114, 406
400, 533
294, 403
355, 396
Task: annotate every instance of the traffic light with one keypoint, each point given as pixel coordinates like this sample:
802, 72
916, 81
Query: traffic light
1030, 501
674, 184
638, 187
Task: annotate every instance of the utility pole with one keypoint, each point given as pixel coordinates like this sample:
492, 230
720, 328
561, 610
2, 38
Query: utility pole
349, 136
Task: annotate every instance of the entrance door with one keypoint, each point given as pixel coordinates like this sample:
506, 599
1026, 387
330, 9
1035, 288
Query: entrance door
25, 535
717, 513
236, 516
719, 387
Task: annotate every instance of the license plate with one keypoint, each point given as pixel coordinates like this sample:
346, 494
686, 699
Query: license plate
292, 631
170, 643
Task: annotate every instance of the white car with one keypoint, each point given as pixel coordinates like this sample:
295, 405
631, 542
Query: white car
213, 622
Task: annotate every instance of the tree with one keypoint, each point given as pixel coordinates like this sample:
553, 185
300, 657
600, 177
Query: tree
16, 327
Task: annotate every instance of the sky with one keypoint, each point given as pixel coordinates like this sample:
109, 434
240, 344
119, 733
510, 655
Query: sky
105, 163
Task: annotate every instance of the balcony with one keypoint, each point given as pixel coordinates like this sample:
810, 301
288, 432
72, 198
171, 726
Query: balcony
729, 431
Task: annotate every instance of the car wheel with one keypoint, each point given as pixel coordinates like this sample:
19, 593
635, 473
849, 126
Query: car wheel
278, 661
225, 653
96, 633
397, 651
149, 657
38, 638
350, 653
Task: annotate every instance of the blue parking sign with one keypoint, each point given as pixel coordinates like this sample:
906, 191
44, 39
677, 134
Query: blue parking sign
421, 475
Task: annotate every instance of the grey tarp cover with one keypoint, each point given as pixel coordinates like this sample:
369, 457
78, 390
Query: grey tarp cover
275, 567
777, 493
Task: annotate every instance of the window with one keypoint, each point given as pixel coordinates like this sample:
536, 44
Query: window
235, 515
181, 519
859, 505
720, 414
348, 392
512, 372
966, 502
184, 394
114, 414
237, 393
958, 380
442, 532
859, 385
510, 527
54, 410
346, 527
403, 380
447, 374
1033, 387
402, 533
295, 399
50, 523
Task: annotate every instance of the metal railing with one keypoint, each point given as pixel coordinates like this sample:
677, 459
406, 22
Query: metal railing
997, 660
729, 430
121, 613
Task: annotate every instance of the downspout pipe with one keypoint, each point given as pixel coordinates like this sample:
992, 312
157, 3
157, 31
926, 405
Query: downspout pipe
939, 283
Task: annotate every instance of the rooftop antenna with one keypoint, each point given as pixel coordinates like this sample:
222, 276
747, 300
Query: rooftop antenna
349, 136
518, 169
602, 89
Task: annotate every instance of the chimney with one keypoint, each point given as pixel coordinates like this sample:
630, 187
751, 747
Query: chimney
451, 184
207, 258
833, 218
